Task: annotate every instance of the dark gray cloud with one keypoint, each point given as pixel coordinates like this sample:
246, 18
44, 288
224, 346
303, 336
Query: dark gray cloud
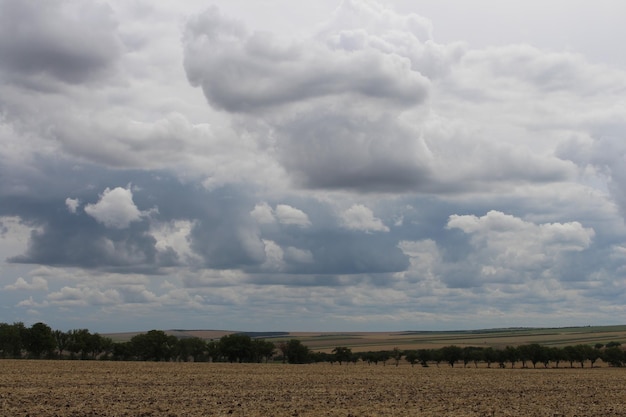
223, 234
67, 40
336, 147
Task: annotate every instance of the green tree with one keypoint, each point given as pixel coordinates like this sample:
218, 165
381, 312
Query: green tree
512, 355
451, 354
489, 356
471, 354
213, 350
537, 354
397, 354
12, 339
425, 356
40, 340
262, 350
123, 351
154, 345
296, 352
236, 347
411, 356
342, 354
61, 338
79, 342
557, 355
614, 356
192, 348
523, 354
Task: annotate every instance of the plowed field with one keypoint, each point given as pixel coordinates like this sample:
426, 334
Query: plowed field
89, 388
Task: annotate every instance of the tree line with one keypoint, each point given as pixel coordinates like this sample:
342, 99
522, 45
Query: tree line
40, 341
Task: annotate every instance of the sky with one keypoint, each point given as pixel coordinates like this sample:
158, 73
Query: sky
355, 165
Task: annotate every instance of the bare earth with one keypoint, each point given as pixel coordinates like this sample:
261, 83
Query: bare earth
90, 388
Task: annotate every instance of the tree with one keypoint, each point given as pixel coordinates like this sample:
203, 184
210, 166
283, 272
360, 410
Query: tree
511, 354
537, 354
342, 354
489, 356
571, 354
451, 354
425, 356
12, 339
190, 348
384, 356
614, 356
436, 355
39, 340
296, 352
122, 351
236, 347
262, 350
369, 357
213, 350
592, 354
471, 354
154, 345
79, 342
411, 356
523, 354
396, 354
557, 355
61, 339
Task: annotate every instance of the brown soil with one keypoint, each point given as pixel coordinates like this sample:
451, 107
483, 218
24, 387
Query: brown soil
82, 388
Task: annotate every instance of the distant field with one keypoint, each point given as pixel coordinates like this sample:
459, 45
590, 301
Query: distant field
168, 389
497, 338
365, 341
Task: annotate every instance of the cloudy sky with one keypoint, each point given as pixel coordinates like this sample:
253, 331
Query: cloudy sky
330, 165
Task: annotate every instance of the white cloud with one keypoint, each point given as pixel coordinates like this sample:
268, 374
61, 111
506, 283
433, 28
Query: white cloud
263, 213
360, 217
115, 209
285, 214
174, 235
273, 256
75, 296
288, 215
37, 283
505, 244
72, 204
14, 235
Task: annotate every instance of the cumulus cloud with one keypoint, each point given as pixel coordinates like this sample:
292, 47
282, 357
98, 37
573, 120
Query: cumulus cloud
360, 217
72, 204
334, 108
115, 209
37, 283
270, 73
263, 213
363, 25
175, 236
291, 216
75, 296
285, 214
505, 246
